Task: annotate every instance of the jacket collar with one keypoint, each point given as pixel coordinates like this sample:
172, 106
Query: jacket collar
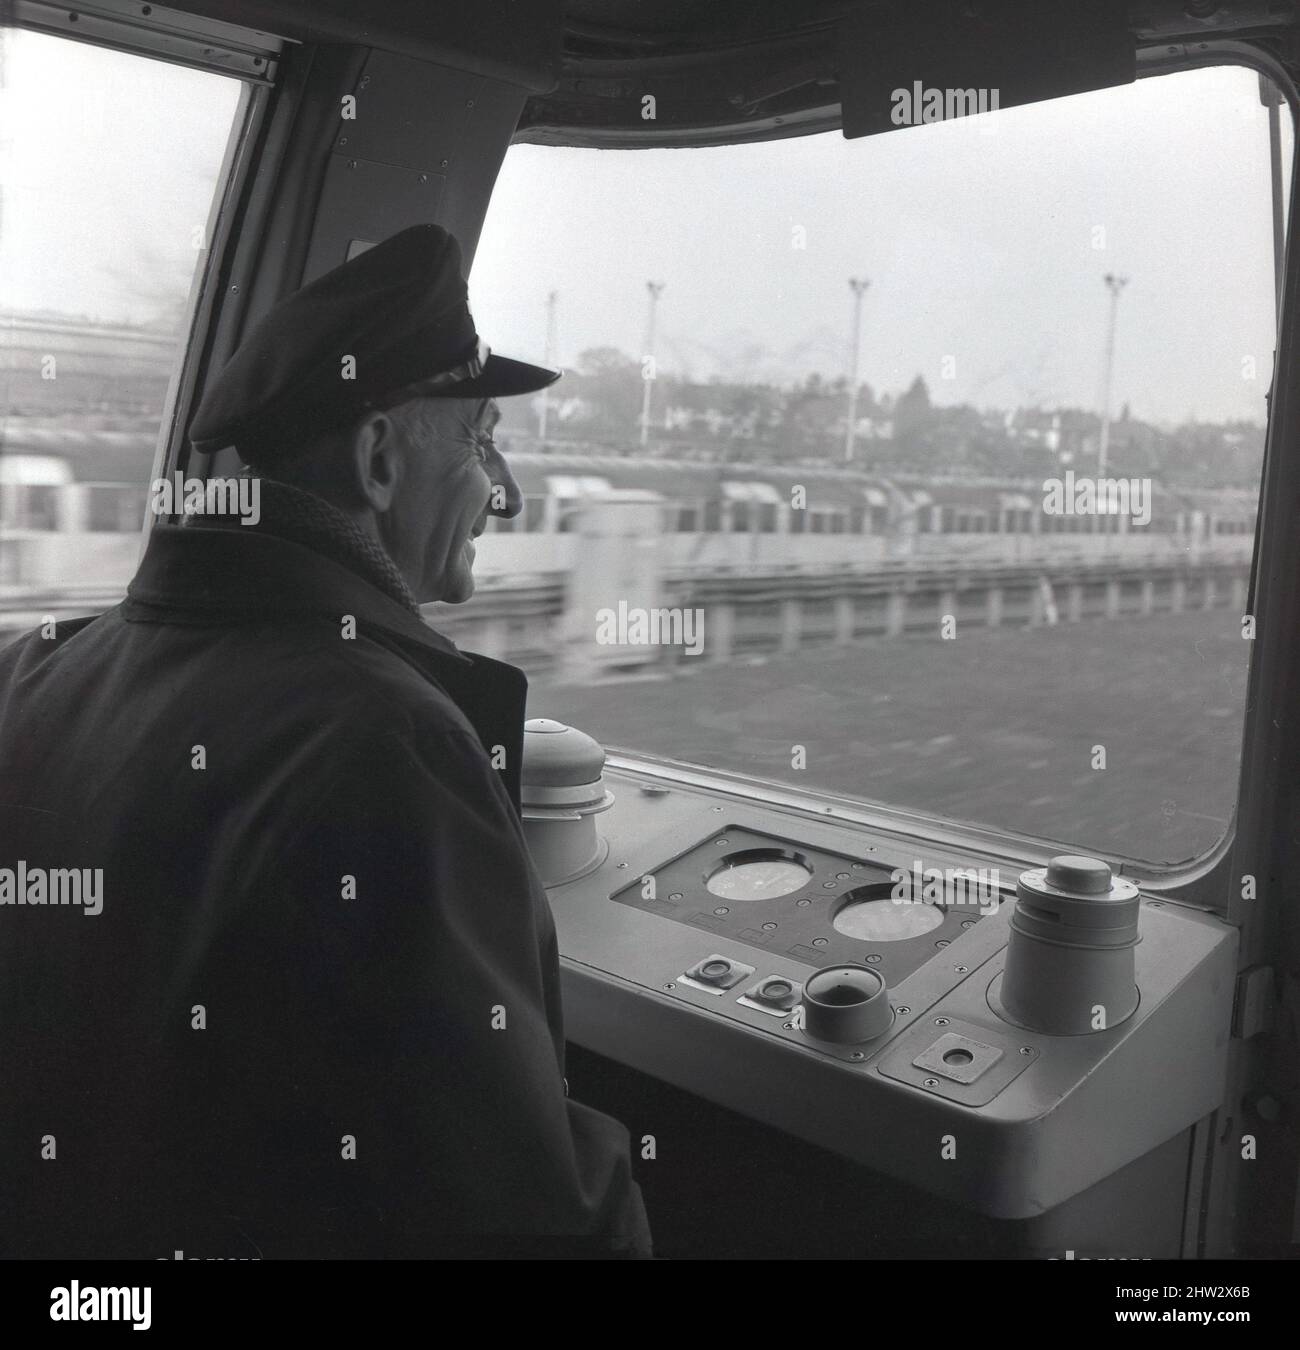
244, 574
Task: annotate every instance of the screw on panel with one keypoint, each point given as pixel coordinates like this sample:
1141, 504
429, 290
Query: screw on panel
670, 986
962, 970
902, 1009
820, 942
857, 1054
1025, 1050
722, 909
932, 1082
943, 942
942, 1021
622, 864
789, 1026
722, 843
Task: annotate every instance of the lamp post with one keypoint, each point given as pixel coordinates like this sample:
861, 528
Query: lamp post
859, 288
548, 360
1114, 284
655, 288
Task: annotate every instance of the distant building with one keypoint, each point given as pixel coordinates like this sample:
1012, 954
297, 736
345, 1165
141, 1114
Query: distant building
51, 365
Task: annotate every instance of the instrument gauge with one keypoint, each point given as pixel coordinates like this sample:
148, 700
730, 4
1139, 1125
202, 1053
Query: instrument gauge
759, 874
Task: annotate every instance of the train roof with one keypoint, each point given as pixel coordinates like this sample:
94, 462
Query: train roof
127, 456
93, 456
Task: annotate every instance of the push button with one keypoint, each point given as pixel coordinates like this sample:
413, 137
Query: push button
775, 991
717, 973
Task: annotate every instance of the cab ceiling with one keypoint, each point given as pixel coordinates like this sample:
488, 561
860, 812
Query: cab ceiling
734, 70
716, 70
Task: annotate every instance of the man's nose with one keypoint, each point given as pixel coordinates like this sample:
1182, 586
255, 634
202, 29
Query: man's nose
499, 472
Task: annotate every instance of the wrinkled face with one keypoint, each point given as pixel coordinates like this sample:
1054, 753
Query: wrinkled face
453, 479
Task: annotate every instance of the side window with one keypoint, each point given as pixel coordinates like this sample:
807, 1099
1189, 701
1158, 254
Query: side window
111, 168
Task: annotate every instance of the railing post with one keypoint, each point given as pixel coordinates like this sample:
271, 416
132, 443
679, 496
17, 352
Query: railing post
895, 613
791, 624
720, 621
947, 604
844, 611
1239, 594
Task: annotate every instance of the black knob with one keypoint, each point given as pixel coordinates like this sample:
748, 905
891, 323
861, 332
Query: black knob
846, 1004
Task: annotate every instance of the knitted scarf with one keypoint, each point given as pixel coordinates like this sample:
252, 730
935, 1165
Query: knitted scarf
304, 518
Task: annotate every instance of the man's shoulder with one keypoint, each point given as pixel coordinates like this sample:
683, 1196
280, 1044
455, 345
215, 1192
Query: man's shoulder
391, 692
48, 636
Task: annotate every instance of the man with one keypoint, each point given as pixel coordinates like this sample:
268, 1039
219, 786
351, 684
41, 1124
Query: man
313, 1006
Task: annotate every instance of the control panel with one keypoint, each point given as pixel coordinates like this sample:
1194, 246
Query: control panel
876, 993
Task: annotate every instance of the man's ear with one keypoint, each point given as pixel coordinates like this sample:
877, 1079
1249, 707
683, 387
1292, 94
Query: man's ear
376, 461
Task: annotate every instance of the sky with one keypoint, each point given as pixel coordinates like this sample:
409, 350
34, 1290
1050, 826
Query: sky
984, 240
108, 164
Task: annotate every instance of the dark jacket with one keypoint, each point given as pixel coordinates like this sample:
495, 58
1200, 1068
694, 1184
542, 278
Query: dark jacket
319, 1012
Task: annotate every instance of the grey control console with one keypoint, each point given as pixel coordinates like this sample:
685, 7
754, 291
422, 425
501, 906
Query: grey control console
1004, 1044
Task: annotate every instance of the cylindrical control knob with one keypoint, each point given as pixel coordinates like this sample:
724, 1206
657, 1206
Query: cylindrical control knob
562, 790
1070, 968
846, 1004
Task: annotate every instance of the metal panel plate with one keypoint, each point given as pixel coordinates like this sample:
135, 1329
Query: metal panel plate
917, 1059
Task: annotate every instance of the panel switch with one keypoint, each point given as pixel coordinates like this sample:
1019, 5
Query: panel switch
716, 973
958, 1058
773, 993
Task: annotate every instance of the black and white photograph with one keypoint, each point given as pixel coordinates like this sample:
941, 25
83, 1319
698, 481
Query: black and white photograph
649, 630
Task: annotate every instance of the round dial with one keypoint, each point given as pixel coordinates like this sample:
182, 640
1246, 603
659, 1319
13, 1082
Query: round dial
758, 879
883, 920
